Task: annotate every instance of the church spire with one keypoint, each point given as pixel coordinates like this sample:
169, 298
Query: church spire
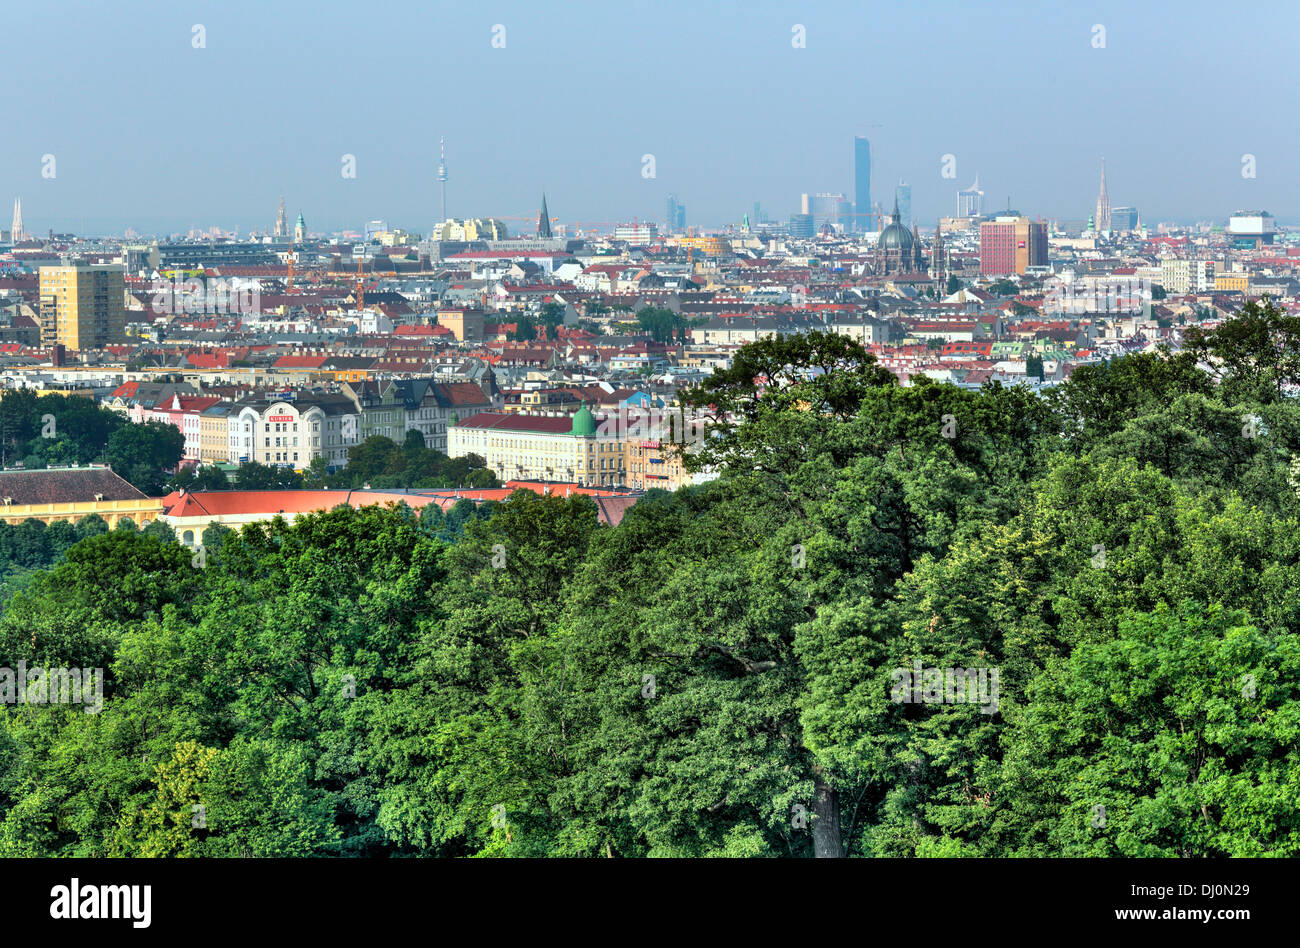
544, 221
1103, 203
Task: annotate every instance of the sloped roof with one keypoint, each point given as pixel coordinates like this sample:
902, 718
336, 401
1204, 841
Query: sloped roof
65, 486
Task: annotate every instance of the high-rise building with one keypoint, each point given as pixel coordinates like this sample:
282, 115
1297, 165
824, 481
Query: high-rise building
970, 202
1012, 245
1103, 204
544, 221
16, 234
676, 219
1124, 218
861, 183
826, 209
281, 222
801, 225
83, 306
903, 198
1247, 229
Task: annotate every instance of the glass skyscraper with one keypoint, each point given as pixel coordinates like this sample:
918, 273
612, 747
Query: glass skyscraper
903, 195
861, 182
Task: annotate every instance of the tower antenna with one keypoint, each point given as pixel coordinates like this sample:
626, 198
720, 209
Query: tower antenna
442, 174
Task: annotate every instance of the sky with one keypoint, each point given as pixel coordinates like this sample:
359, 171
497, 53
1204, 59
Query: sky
148, 131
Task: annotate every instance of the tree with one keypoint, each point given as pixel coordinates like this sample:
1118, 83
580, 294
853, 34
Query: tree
144, 453
1254, 354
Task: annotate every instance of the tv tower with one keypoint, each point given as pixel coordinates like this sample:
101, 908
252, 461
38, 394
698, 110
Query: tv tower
442, 175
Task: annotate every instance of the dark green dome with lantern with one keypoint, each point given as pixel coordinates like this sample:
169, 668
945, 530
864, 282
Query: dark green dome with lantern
584, 423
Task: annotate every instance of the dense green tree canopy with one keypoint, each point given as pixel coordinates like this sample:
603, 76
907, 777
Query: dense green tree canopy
902, 621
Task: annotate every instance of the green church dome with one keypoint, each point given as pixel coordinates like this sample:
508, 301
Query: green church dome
584, 423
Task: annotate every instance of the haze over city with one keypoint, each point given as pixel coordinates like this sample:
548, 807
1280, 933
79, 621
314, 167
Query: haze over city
150, 132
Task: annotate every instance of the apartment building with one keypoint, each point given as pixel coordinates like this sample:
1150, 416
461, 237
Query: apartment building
549, 447
1187, 276
83, 306
392, 407
291, 430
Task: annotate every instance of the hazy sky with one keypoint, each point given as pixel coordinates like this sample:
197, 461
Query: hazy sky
148, 131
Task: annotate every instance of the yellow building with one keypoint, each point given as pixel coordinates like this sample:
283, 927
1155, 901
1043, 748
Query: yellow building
654, 464
83, 307
70, 493
709, 246
523, 446
1232, 281
466, 325
470, 229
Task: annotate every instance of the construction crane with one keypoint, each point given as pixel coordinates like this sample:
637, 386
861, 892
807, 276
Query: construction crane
288, 286
361, 286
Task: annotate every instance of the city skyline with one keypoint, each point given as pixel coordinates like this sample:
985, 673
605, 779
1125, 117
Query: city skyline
1039, 154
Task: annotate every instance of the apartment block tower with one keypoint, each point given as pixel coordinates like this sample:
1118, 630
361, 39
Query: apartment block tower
1011, 245
83, 306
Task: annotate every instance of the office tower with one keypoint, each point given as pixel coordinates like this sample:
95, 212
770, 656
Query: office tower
1124, 218
300, 229
801, 225
970, 202
903, 198
83, 306
1012, 245
861, 182
825, 208
281, 222
676, 219
16, 234
543, 221
1103, 203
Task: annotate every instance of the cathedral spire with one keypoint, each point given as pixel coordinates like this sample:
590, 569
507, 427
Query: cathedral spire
544, 221
1103, 203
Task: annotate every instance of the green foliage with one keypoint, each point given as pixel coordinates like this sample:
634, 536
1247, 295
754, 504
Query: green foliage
381, 462
716, 676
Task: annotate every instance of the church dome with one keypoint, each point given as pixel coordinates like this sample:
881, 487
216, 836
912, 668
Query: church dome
895, 237
584, 423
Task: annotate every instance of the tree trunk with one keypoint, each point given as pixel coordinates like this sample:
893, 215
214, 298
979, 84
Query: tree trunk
826, 821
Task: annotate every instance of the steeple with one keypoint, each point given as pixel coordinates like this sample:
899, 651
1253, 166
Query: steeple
17, 234
543, 221
1103, 203
281, 222
936, 257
